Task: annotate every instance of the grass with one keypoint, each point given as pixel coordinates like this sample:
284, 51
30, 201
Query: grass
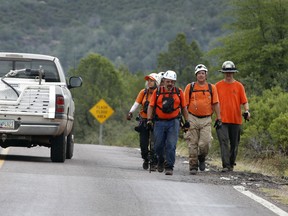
280, 195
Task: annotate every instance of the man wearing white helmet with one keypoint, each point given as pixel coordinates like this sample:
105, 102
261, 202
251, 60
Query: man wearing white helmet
143, 98
166, 104
231, 97
202, 99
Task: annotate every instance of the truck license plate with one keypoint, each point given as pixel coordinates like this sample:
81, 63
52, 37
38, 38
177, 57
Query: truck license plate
6, 124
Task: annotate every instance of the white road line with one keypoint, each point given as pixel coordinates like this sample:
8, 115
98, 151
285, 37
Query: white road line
262, 201
3, 152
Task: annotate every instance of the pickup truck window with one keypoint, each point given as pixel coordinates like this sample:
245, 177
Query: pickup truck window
50, 70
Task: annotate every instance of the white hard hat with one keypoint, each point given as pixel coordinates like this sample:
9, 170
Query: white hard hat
153, 76
161, 74
170, 75
201, 67
228, 66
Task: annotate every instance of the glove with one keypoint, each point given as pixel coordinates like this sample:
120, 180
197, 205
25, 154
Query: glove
218, 124
149, 124
129, 116
246, 115
186, 126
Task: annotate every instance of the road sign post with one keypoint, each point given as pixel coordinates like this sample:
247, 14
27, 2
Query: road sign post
101, 111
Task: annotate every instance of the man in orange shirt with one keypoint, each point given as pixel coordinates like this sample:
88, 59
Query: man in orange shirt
231, 96
202, 99
143, 98
165, 104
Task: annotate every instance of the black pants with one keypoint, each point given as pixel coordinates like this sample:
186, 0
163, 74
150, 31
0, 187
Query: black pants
145, 136
229, 138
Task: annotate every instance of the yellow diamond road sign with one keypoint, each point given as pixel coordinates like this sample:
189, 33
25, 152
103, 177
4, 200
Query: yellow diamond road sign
101, 111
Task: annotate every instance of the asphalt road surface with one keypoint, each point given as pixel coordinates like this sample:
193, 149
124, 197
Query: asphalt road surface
105, 180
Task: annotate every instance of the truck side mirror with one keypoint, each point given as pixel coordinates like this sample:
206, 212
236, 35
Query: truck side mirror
75, 82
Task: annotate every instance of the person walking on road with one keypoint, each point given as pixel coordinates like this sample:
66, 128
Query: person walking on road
202, 100
232, 96
143, 99
165, 105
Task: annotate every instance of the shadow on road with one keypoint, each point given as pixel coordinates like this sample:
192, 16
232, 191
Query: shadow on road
26, 158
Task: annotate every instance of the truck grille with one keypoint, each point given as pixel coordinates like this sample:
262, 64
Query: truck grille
33, 100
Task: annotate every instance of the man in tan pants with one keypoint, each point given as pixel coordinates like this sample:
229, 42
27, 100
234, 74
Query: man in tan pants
202, 100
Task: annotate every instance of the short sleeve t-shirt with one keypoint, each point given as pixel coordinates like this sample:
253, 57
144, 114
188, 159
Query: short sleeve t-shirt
200, 102
231, 97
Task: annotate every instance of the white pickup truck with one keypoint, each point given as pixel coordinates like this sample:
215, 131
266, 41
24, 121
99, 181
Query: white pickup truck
36, 105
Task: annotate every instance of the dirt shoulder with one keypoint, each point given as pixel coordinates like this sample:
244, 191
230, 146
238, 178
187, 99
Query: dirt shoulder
272, 188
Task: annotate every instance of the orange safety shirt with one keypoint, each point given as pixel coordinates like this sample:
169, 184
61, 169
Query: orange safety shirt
231, 97
200, 102
143, 95
177, 106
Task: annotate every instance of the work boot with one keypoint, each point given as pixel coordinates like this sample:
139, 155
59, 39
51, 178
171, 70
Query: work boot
153, 167
227, 169
193, 171
160, 167
202, 165
145, 164
168, 171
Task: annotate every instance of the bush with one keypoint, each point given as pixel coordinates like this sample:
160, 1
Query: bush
266, 133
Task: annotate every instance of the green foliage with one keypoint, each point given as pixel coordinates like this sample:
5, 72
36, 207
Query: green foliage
257, 43
126, 31
118, 88
140, 36
279, 132
100, 80
182, 58
266, 133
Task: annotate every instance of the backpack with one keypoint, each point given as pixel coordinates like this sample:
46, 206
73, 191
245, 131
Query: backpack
167, 102
209, 90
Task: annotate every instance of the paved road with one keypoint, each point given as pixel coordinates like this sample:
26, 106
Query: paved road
105, 180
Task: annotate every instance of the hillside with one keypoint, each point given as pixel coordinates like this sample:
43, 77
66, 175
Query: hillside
125, 31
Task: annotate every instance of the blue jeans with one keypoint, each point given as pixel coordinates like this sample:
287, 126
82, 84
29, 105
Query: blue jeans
166, 137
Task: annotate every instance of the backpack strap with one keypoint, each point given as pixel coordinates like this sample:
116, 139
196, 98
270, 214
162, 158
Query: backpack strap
180, 113
145, 93
157, 95
210, 90
177, 91
192, 90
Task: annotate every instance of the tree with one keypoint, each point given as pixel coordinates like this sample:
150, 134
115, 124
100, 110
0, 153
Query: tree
182, 58
118, 87
100, 80
258, 43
